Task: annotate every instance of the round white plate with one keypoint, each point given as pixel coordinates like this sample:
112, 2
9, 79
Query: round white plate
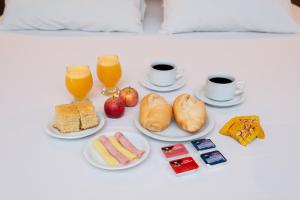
92, 156
174, 134
177, 85
50, 130
233, 102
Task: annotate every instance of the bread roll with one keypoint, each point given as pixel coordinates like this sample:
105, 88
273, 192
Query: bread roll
189, 113
155, 113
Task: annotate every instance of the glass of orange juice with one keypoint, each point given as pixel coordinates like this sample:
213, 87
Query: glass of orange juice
79, 81
109, 73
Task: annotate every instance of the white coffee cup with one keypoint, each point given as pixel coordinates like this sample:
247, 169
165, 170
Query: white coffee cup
162, 73
222, 87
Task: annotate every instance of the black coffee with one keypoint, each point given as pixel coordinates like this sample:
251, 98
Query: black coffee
163, 67
220, 80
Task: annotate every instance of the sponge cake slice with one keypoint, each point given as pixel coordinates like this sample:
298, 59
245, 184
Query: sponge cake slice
88, 116
67, 118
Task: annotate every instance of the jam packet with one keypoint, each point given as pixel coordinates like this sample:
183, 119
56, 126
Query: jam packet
174, 150
184, 165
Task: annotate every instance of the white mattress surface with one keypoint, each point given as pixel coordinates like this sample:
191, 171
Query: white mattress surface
35, 166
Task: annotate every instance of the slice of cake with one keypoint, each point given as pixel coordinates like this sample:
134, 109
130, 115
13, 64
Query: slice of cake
88, 115
67, 118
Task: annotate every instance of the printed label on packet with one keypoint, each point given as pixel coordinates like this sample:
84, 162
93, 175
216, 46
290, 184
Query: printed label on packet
213, 158
203, 144
174, 150
183, 165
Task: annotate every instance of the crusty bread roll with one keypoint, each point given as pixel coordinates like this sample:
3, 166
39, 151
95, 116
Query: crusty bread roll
189, 113
155, 113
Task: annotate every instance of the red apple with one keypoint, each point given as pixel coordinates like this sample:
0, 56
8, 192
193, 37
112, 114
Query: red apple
130, 96
114, 107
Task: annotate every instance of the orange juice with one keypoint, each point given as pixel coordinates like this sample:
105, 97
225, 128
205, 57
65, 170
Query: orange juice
79, 81
109, 72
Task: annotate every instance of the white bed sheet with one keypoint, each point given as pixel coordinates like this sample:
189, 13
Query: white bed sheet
35, 166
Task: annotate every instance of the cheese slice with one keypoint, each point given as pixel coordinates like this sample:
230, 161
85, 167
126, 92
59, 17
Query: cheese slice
121, 149
107, 157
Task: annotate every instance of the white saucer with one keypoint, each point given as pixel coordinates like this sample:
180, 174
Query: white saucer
174, 134
50, 130
178, 84
233, 102
92, 156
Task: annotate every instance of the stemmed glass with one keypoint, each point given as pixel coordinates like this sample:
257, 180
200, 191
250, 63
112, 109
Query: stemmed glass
109, 73
79, 81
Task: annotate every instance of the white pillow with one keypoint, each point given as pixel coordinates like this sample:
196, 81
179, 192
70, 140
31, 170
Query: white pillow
228, 15
87, 15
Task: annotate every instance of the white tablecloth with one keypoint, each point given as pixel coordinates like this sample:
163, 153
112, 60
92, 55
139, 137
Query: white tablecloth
36, 166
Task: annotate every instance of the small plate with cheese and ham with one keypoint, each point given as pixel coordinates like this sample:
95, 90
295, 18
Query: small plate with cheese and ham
116, 150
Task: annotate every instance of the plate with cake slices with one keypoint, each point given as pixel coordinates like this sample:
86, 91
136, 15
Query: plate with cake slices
75, 120
116, 150
184, 119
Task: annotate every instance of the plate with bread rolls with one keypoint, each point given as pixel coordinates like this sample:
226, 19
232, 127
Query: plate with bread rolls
186, 119
116, 150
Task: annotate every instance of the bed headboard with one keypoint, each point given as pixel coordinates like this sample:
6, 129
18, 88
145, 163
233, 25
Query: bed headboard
2, 3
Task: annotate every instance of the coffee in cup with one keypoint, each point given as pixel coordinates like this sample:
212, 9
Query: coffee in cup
222, 87
163, 73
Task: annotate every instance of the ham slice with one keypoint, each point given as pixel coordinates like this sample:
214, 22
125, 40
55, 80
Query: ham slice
128, 145
113, 151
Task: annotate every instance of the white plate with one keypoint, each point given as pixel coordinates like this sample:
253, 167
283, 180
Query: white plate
174, 134
233, 102
50, 130
92, 156
177, 85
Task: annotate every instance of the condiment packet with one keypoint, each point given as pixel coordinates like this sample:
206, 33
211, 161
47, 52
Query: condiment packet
203, 144
184, 166
213, 158
174, 150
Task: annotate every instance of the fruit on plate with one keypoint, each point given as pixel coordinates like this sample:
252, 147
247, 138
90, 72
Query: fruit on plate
189, 113
244, 129
114, 107
155, 113
130, 96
